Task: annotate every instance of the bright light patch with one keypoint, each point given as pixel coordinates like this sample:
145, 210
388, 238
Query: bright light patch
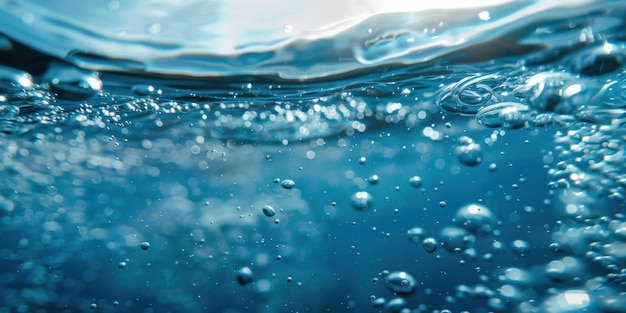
576, 298
484, 15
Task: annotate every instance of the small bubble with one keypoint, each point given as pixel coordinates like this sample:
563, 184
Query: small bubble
362, 160
455, 239
521, 247
143, 90
93, 306
373, 180
333, 203
378, 302
288, 184
401, 283
245, 276
268, 211
276, 221
121, 264
415, 234
430, 245
145, 245
395, 305
476, 218
416, 181
361, 201
442, 204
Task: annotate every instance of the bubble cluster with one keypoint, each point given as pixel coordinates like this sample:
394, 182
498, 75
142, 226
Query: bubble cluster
106, 160
470, 94
468, 152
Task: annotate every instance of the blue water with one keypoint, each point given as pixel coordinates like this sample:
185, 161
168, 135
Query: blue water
193, 156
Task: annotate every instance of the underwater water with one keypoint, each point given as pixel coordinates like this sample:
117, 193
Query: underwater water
318, 156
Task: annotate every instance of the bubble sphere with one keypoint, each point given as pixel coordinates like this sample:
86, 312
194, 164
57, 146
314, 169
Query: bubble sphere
245, 276
396, 305
288, 184
145, 245
415, 181
361, 201
415, 234
401, 283
455, 239
476, 219
268, 211
468, 152
430, 245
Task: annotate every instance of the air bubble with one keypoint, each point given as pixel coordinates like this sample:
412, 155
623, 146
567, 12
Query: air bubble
599, 60
6, 205
378, 302
362, 160
470, 94
143, 90
373, 180
288, 184
521, 247
396, 305
429, 245
568, 301
416, 181
72, 83
268, 211
563, 270
506, 114
245, 276
401, 283
361, 201
468, 152
455, 239
415, 234
13, 79
476, 219
145, 245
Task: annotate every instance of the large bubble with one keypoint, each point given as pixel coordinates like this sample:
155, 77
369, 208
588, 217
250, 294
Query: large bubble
401, 283
476, 218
